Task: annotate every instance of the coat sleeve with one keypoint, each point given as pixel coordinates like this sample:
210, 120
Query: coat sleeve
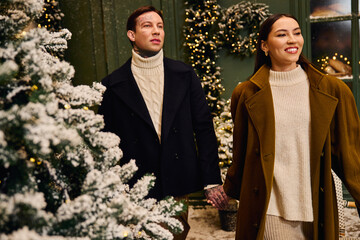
204, 134
346, 144
239, 115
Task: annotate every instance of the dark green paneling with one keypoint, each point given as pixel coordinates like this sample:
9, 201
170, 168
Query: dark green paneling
86, 48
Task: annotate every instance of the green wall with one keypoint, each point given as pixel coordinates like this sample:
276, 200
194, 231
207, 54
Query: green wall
99, 44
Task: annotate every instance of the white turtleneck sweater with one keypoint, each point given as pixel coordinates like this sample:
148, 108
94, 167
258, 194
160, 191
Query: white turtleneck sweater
291, 193
149, 76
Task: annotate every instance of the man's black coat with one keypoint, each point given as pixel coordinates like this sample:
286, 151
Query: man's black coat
186, 159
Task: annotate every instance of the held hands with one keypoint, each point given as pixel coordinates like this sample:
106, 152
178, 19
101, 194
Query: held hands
217, 197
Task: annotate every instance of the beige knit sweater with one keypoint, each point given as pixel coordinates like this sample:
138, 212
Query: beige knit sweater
149, 76
291, 192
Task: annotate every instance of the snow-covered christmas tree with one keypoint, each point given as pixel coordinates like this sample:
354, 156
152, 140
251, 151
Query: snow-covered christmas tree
59, 173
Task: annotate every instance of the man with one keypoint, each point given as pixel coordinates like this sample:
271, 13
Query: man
158, 109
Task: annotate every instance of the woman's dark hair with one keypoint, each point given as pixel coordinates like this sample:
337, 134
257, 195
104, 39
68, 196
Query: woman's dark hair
264, 32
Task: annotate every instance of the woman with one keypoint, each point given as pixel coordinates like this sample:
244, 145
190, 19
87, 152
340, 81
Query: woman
292, 125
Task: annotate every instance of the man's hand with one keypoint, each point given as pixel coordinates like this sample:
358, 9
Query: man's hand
217, 197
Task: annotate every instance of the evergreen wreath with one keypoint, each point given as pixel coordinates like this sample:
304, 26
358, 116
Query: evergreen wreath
207, 28
239, 27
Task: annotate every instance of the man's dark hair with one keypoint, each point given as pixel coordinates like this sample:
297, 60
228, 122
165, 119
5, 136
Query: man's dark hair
131, 22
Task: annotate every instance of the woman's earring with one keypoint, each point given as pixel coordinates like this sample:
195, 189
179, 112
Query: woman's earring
266, 53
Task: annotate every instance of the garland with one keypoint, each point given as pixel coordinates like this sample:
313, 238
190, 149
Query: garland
209, 28
201, 45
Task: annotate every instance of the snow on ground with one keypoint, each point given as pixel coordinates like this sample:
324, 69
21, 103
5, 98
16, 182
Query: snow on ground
205, 224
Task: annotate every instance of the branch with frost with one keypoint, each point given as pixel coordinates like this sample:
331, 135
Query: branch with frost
30, 7
57, 41
87, 122
12, 23
26, 234
81, 95
24, 209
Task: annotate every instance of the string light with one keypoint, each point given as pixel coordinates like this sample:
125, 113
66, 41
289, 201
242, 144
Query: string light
34, 88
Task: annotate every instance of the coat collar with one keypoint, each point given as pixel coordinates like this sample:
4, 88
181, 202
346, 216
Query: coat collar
124, 85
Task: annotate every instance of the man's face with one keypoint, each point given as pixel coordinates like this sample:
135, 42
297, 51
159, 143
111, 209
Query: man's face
148, 37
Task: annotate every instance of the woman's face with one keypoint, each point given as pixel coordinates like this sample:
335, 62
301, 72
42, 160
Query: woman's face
284, 44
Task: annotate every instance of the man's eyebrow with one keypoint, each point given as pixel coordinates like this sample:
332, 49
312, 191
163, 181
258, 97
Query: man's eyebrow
149, 21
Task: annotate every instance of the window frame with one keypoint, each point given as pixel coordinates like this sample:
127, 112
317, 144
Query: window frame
301, 9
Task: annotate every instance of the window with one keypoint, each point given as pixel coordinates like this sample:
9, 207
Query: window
335, 42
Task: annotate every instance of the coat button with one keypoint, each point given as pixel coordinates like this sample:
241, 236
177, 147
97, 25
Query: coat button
255, 225
175, 130
257, 151
256, 190
176, 156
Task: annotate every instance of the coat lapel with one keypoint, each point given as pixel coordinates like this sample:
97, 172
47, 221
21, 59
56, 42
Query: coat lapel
322, 111
127, 90
175, 87
261, 111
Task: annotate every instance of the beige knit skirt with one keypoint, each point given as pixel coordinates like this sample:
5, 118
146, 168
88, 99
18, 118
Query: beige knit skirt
277, 228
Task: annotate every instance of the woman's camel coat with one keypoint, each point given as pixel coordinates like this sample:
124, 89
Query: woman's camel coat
335, 144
